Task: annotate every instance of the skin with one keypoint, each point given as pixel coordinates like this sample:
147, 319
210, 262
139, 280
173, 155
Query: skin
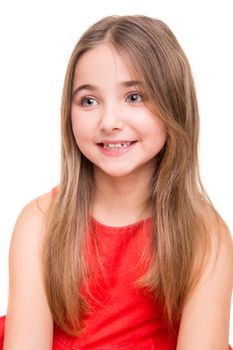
29, 324
206, 314
109, 112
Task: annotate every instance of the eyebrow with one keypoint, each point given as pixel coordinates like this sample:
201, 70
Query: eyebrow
94, 88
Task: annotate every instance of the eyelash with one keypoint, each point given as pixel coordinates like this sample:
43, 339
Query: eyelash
136, 94
91, 98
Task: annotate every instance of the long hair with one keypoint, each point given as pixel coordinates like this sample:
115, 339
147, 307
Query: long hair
176, 198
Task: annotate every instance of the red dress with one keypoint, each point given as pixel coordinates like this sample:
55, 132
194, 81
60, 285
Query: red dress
123, 317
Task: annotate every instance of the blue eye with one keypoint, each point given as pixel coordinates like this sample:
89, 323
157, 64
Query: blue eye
88, 102
135, 98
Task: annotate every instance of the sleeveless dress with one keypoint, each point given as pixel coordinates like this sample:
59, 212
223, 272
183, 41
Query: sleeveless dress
122, 316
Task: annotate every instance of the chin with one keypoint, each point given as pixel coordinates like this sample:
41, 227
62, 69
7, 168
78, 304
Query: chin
115, 173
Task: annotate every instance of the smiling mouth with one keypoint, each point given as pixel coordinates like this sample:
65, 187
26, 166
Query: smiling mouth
116, 146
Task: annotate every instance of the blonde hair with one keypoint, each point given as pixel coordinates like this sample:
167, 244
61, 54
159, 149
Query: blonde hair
177, 199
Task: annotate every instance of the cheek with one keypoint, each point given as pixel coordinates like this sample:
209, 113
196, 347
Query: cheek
160, 128
78, 131
83, 122
157, 130
149, 122
79, 126
162, 132
80, 134
75, 128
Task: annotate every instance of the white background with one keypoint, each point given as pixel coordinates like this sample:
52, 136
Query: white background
36, 40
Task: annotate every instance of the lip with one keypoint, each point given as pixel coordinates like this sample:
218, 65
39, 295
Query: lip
116, 152
114, 141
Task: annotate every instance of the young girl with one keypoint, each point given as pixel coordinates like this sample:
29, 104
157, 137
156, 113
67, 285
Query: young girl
127, 252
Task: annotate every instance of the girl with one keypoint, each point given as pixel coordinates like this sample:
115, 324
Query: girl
128, 252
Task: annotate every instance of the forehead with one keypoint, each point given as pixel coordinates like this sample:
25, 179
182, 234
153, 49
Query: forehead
102, 63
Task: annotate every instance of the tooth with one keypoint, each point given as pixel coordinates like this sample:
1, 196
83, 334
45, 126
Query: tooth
113, 146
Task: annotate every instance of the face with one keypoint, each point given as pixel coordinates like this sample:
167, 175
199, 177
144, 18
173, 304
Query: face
112, 126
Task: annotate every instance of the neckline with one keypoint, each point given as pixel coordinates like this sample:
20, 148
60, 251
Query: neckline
120, 229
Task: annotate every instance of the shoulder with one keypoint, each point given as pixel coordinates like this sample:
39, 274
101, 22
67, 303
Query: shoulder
218, 263
206, 313
221, 243
30, 228
32, 218
27, 301
36, 209
214, 241
38, 206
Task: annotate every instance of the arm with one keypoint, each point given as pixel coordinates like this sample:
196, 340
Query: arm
205, 318
29, 325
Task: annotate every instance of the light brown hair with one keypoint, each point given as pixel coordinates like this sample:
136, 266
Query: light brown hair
177, 199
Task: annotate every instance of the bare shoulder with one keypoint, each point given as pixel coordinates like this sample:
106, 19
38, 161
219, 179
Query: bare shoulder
37, 208
30, 224
219, 258
27, 301
206, 314
221, 243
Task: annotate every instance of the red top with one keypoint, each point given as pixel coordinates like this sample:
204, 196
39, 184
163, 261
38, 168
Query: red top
123, 317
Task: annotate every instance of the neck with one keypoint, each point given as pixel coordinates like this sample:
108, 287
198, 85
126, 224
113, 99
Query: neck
120, 201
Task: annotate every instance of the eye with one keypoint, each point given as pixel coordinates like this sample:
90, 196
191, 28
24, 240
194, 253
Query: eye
88, 102
134, 98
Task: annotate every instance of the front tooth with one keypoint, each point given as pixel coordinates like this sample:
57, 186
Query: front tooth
113, 145
116, 145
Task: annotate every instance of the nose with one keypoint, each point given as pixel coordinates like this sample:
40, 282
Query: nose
111, 118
